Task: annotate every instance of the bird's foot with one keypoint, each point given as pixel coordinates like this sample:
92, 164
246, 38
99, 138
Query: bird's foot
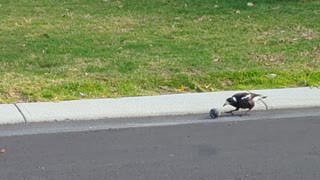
230, 112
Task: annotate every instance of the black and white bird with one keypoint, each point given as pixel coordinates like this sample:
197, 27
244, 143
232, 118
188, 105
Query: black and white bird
243, 100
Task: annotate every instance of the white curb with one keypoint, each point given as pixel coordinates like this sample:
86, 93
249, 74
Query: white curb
177, 104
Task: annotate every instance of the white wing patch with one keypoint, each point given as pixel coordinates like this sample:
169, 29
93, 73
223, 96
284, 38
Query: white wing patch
247, 97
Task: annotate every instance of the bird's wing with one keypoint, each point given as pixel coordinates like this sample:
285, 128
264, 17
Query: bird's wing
242, 96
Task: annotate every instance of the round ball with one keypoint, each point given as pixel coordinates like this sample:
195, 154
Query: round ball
214, 113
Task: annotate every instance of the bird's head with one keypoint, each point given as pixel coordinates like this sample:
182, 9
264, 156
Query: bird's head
230, 101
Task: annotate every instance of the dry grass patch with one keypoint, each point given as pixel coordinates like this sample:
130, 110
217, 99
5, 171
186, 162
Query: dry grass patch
271, 59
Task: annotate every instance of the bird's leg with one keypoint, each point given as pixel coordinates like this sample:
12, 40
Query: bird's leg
231, 112
247, 111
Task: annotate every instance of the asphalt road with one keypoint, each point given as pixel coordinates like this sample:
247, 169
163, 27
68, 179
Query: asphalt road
265, 145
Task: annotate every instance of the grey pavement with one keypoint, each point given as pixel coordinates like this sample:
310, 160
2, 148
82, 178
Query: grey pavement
146, 106
268, 148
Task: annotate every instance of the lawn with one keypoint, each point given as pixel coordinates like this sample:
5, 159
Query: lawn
52, 50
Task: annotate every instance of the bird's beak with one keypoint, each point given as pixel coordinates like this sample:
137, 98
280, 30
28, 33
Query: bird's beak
226, 103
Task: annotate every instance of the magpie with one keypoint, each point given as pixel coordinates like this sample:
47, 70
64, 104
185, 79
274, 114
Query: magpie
243, 100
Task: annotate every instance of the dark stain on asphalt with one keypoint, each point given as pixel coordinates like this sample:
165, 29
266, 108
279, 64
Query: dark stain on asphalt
207, 150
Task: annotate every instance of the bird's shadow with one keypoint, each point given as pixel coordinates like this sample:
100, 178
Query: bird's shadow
239, 114
226, 115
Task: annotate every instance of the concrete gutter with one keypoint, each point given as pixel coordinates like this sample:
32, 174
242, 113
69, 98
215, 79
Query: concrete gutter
177, 104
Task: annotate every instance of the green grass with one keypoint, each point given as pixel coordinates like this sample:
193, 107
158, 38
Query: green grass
54, 50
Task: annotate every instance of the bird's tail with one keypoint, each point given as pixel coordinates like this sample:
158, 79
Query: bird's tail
260, 98
253, 95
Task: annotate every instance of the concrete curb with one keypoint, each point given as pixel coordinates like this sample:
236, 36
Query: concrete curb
9, 114
177, 104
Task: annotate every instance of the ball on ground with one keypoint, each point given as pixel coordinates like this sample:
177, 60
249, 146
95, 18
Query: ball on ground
214, 113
